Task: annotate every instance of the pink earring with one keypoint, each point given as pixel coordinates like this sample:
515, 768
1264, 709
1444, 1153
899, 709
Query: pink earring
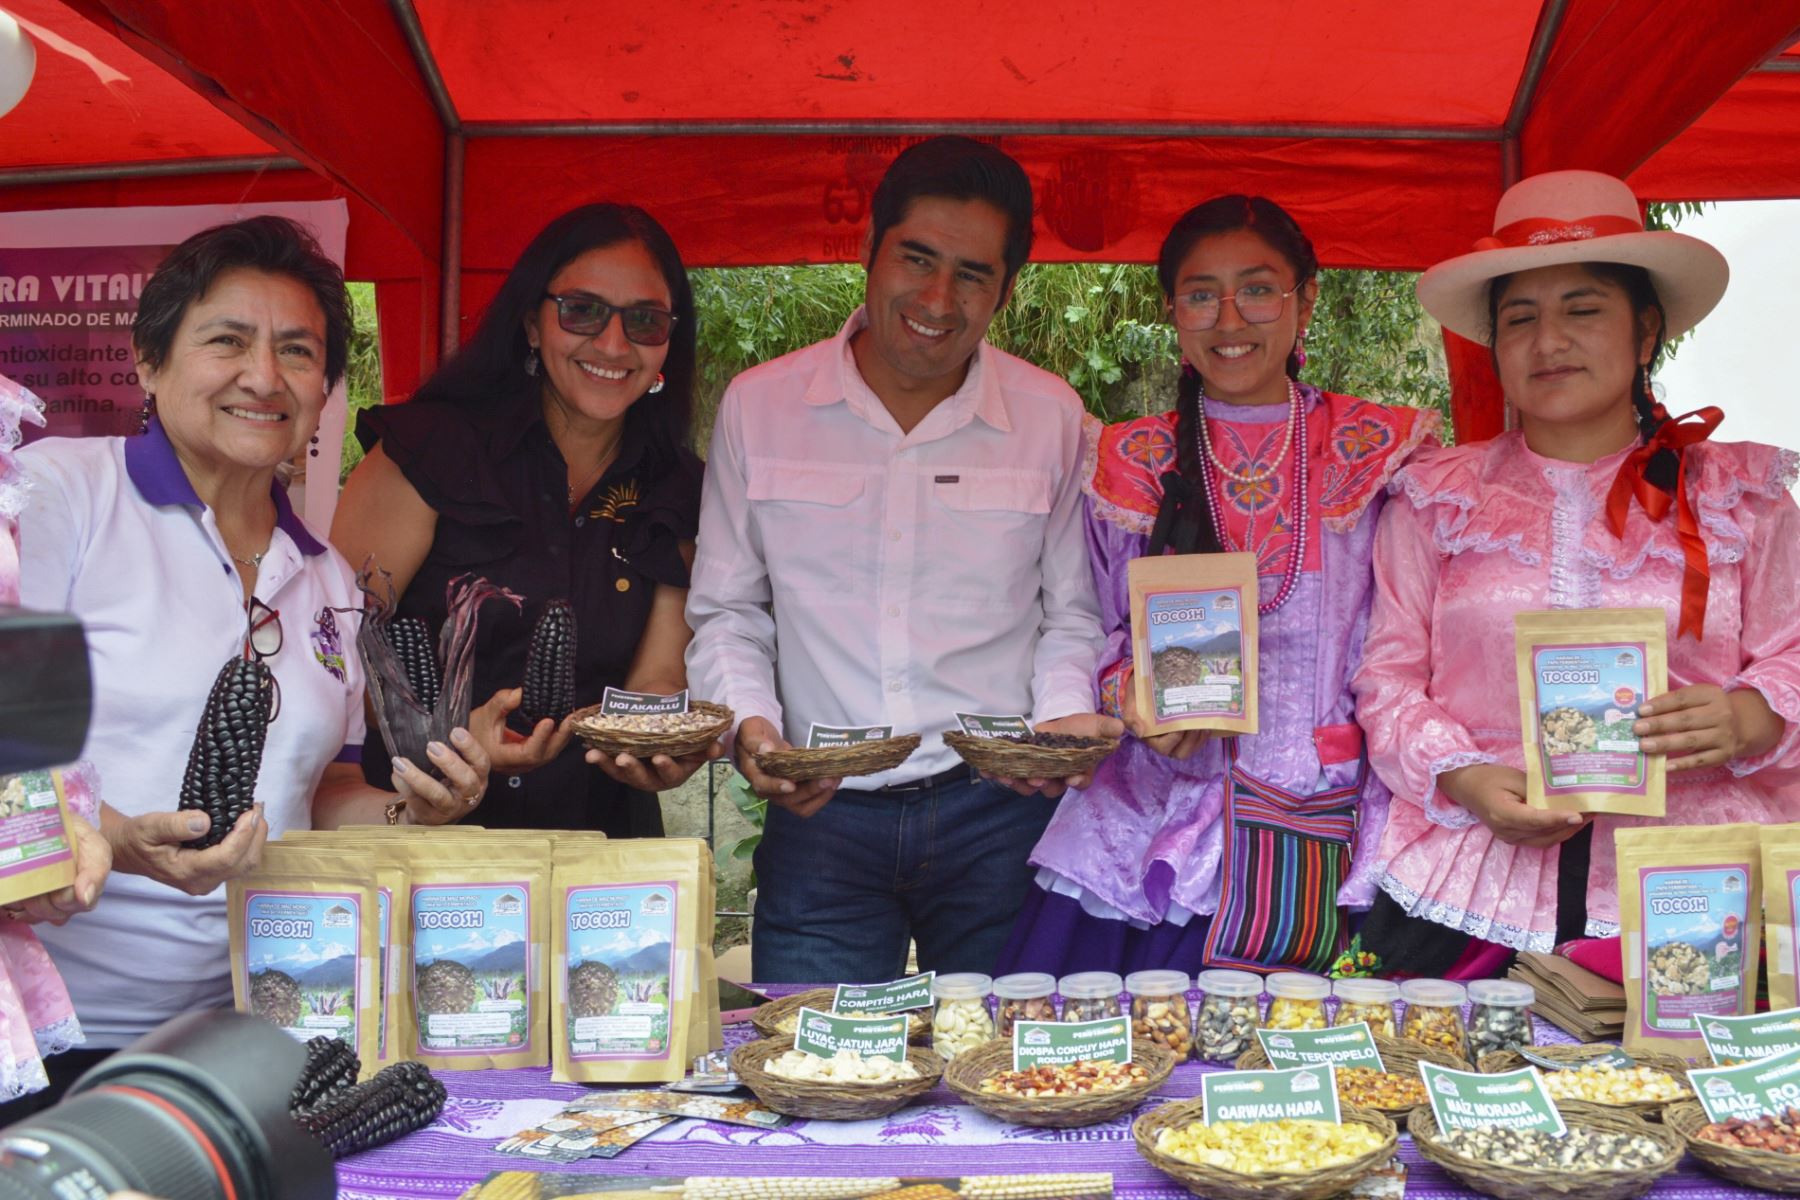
1300, 349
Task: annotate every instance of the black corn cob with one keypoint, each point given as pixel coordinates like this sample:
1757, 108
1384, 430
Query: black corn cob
331, 1067
401, 1098
550, 665
417, 651
220, 779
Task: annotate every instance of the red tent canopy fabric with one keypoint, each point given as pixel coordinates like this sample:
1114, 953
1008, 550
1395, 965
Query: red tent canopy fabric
756, 129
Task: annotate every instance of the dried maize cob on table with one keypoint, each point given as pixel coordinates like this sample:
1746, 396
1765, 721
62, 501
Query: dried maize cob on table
400, 1099
733, 1187
1036, 1187
549, 689
331, 1067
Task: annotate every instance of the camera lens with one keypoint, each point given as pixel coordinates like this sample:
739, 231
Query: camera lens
196, 1110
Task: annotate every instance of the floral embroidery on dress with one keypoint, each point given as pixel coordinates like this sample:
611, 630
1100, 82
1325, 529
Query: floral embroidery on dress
328, 645
1368, 443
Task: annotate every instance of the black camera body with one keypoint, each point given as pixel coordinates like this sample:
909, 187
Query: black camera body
46, 691
194, 1110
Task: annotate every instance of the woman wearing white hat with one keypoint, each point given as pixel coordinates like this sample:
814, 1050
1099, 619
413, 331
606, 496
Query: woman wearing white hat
1597, 500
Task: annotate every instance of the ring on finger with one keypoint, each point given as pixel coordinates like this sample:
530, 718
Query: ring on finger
15, 912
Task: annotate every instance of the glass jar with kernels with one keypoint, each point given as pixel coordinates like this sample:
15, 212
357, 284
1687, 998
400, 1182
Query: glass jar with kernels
1370, 1000
1159, 1009
1026, 996
1228, 1015
1434, 1014
1499, 1016
1090, 995
959, 1019
1296, 1001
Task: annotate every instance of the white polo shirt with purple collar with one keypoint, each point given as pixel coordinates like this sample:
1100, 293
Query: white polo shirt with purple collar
114, 532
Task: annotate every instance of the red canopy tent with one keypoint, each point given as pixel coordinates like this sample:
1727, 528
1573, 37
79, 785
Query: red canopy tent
756, 129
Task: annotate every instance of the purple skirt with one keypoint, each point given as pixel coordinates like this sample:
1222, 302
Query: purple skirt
1054, 933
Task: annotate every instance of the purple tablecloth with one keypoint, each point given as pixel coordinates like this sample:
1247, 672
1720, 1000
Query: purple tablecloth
938, 1136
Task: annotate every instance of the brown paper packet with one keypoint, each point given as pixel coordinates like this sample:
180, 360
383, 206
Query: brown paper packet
1690, 916
34, 827
706, 1004
305, 945
1781, 886
624, 964
1583, 674
1193, 641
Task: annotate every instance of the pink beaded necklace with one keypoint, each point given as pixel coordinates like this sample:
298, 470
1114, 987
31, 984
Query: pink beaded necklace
1210, 464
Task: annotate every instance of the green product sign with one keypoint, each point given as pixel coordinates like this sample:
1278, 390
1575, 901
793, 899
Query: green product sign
993, 725
1509, 1100
1758, 1089
1296, 1094
831, 737
1054, 1043
1733, 1040
902, 995
1344, 1046
617, 702
1615, 1058
824, 1034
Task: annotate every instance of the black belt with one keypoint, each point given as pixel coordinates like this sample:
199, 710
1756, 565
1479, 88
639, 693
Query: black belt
961, 773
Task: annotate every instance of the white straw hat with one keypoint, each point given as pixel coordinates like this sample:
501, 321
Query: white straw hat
1568, 217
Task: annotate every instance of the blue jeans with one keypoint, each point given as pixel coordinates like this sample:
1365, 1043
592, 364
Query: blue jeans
840, 892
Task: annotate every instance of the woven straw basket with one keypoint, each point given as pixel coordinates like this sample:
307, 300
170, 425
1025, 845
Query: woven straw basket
1015, 760
592, 729
777, 1017
1220, 1184
1651, 1110
1401, 1056
966, 1071
838, 762
1536, 1183
1763, 1169
830, 1101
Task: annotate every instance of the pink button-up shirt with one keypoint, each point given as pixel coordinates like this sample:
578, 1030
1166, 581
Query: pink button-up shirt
851, 574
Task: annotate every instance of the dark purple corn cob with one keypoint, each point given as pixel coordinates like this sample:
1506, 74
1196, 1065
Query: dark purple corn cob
331, 1067
417, 651
220, 779
401, 1098
550, 665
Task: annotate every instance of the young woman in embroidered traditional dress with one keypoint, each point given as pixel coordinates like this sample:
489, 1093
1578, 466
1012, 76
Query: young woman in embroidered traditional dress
1575, 298
1133, 868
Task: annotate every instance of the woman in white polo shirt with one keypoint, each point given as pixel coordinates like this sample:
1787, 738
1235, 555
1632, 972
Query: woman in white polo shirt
163, 544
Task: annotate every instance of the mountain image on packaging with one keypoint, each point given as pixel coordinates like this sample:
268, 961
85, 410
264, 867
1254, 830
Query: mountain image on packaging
652, 959
1219, 643
339, 972
510, 957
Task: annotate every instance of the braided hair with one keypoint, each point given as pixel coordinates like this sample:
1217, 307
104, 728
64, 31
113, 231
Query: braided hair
1188, 521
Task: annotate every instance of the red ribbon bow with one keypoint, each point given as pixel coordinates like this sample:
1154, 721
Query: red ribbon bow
1675, 434
1547, 231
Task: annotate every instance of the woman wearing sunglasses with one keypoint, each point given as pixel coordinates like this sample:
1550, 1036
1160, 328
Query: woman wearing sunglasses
551, 456
1164, 861
178, 550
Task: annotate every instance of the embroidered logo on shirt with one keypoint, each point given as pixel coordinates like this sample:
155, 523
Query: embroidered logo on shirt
328, 645
618, 498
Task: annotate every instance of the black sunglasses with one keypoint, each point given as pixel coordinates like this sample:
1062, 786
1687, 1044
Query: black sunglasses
589, 316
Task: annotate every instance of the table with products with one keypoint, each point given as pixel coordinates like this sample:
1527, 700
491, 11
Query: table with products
938, 1135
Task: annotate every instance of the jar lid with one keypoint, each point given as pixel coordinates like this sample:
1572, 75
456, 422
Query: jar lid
1366, 991
1156, 983
1090, 985
1222, 982
1026, 985
1436, 993
1503, 993
1293, 985
962, 985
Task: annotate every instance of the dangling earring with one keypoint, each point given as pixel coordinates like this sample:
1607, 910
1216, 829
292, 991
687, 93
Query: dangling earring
1300, 349
531, 361
658, 385
146, 413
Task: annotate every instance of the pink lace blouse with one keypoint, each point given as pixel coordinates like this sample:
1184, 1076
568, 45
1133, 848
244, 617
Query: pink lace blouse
1487, 530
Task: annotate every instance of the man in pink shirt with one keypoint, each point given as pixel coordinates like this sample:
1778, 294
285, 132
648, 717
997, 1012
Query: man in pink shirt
891, 535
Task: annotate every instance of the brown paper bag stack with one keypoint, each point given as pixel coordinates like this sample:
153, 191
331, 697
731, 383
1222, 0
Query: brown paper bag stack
1573, 998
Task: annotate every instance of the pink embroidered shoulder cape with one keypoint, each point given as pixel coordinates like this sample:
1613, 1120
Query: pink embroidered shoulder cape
36, 1019
1143, 842
1479, 532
